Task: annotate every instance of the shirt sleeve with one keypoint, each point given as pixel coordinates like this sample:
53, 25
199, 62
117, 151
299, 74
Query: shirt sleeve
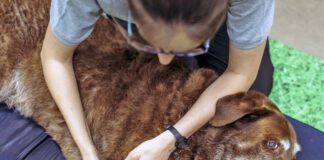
249, 22
72, 21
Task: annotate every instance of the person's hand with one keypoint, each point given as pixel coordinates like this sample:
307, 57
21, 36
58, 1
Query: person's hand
158, 148
90, 157
89, 154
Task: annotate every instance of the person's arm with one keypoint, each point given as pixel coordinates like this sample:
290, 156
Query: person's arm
58, 71
239, 76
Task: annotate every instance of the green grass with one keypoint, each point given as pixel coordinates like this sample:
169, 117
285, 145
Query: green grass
298, 87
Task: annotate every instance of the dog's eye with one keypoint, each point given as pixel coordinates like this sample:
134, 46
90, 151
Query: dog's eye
253, 116
273, 147
272, 144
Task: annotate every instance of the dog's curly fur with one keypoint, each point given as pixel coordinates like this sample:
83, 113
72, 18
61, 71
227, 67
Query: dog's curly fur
129, 97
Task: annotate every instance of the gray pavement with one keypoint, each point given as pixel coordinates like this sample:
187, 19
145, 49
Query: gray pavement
300, 24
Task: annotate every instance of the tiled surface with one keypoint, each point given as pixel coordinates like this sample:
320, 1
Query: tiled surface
300, 24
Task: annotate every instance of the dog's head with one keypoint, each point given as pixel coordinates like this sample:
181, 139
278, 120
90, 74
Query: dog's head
248, 126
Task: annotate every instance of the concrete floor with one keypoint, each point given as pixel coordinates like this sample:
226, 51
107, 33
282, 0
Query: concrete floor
300, 24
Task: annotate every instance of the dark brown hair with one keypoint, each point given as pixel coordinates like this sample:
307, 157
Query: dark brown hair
209, 15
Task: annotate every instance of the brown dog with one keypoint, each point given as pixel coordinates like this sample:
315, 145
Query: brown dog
129, 98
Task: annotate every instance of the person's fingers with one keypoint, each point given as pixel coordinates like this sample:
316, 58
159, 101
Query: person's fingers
133, 156
144, 158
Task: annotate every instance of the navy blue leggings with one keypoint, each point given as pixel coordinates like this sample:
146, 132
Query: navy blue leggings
21, 138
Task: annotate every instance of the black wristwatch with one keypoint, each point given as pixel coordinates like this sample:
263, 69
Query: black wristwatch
181, 141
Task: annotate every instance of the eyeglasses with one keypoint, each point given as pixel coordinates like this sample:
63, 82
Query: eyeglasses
134, 40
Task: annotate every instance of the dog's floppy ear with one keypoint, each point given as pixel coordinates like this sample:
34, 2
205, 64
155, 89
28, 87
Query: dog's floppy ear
233, 107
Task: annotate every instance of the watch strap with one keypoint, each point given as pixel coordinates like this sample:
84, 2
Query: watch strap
181, 141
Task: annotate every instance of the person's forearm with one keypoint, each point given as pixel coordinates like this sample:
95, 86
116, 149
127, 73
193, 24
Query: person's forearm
239, 76
204, 108
62, 84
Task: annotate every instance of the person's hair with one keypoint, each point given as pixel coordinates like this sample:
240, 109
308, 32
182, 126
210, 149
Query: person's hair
209, 15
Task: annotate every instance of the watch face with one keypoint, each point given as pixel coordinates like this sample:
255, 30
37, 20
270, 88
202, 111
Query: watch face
180, 140
178, 145
181, 144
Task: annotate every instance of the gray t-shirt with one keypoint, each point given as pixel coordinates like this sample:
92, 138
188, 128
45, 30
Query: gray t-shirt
72, 21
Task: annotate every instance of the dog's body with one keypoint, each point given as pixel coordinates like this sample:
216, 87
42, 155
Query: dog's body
128, 97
